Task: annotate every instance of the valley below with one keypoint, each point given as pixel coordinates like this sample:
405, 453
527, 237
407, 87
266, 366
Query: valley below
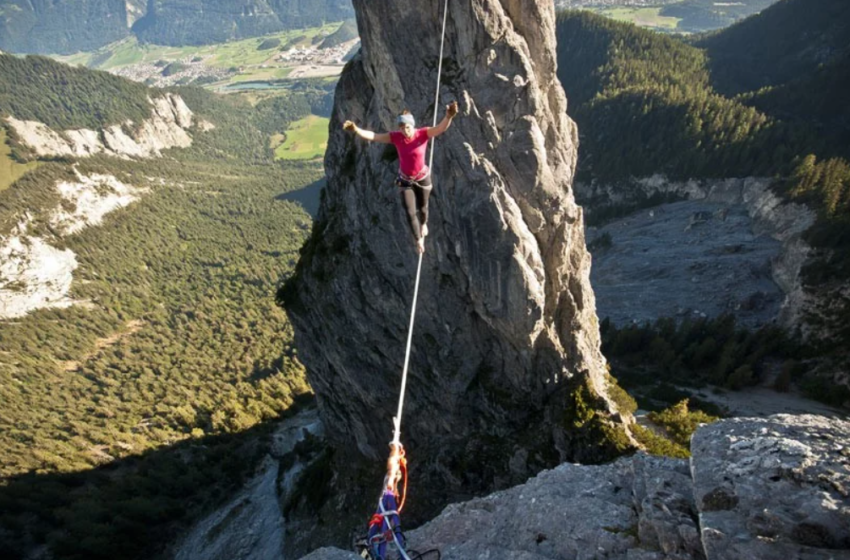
205, 285
690, 258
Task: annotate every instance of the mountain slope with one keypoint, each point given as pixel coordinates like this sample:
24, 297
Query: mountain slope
48, 26
817, 98
69, 26
41, 89
787, 42
198, 22
149, 393
646, 104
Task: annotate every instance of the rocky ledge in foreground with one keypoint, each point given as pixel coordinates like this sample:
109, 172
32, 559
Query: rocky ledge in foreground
755, 489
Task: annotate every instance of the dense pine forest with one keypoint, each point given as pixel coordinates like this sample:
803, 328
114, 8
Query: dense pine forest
718, 107
63, 97
126, 416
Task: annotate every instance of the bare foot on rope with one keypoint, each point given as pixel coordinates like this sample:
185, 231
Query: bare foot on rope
420, 245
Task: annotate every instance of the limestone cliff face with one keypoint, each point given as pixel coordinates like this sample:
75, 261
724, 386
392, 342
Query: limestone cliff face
168, 127
33, 273
36, 275
506, 372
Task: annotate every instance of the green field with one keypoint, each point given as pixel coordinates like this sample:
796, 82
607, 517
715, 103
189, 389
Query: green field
250, 63
10, 170
644, 17
222, 55
305, 139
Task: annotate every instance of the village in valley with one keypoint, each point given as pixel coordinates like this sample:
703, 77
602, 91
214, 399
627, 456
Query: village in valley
286, 56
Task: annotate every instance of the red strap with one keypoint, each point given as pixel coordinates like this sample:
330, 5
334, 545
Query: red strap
403, 465
377, 519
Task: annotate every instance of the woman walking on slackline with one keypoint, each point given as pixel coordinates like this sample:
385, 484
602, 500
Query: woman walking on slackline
414, 176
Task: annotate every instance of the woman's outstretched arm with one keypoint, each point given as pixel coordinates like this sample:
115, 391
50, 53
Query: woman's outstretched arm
451, 111
382, 137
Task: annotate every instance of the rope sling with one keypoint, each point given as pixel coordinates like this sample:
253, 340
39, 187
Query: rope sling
389, 518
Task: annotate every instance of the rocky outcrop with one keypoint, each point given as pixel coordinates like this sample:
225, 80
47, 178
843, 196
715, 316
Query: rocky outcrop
506, 362
773, 488
168, 127
88, 200
136, 9
35, 275
772, 216
250, 526
760, 489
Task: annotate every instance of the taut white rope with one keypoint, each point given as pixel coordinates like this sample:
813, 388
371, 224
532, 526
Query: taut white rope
397, 418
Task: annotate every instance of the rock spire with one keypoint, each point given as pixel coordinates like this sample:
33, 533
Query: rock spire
507, 377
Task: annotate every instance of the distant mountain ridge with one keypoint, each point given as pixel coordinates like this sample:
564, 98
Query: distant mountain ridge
66, 26
789, 41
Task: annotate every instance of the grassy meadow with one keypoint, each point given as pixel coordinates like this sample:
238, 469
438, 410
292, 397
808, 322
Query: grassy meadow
644, 17
306, 139
244, 55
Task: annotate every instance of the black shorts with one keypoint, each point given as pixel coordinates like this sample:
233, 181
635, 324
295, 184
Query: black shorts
403, 183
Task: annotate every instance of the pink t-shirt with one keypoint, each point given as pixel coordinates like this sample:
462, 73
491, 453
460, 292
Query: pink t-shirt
411, 151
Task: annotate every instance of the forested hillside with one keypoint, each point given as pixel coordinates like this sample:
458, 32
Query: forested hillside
69, 26
648, 103
700, 15
48, 26
200, 22
126, 416
786, 43
64, 97
677, 16
644, 104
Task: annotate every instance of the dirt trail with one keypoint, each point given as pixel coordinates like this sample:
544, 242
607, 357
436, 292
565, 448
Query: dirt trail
130, 328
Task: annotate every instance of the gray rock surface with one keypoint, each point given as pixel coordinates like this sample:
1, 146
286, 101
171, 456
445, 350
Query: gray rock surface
251, 525
506, 325
637, 504
685, 259
61, 26
636, 508
774, 488
755, 489
768, 264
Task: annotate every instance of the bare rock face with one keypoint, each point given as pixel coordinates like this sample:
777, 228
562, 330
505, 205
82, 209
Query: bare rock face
772, 488
506, 373
638, 508
756, 489
250, 526
168, 127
